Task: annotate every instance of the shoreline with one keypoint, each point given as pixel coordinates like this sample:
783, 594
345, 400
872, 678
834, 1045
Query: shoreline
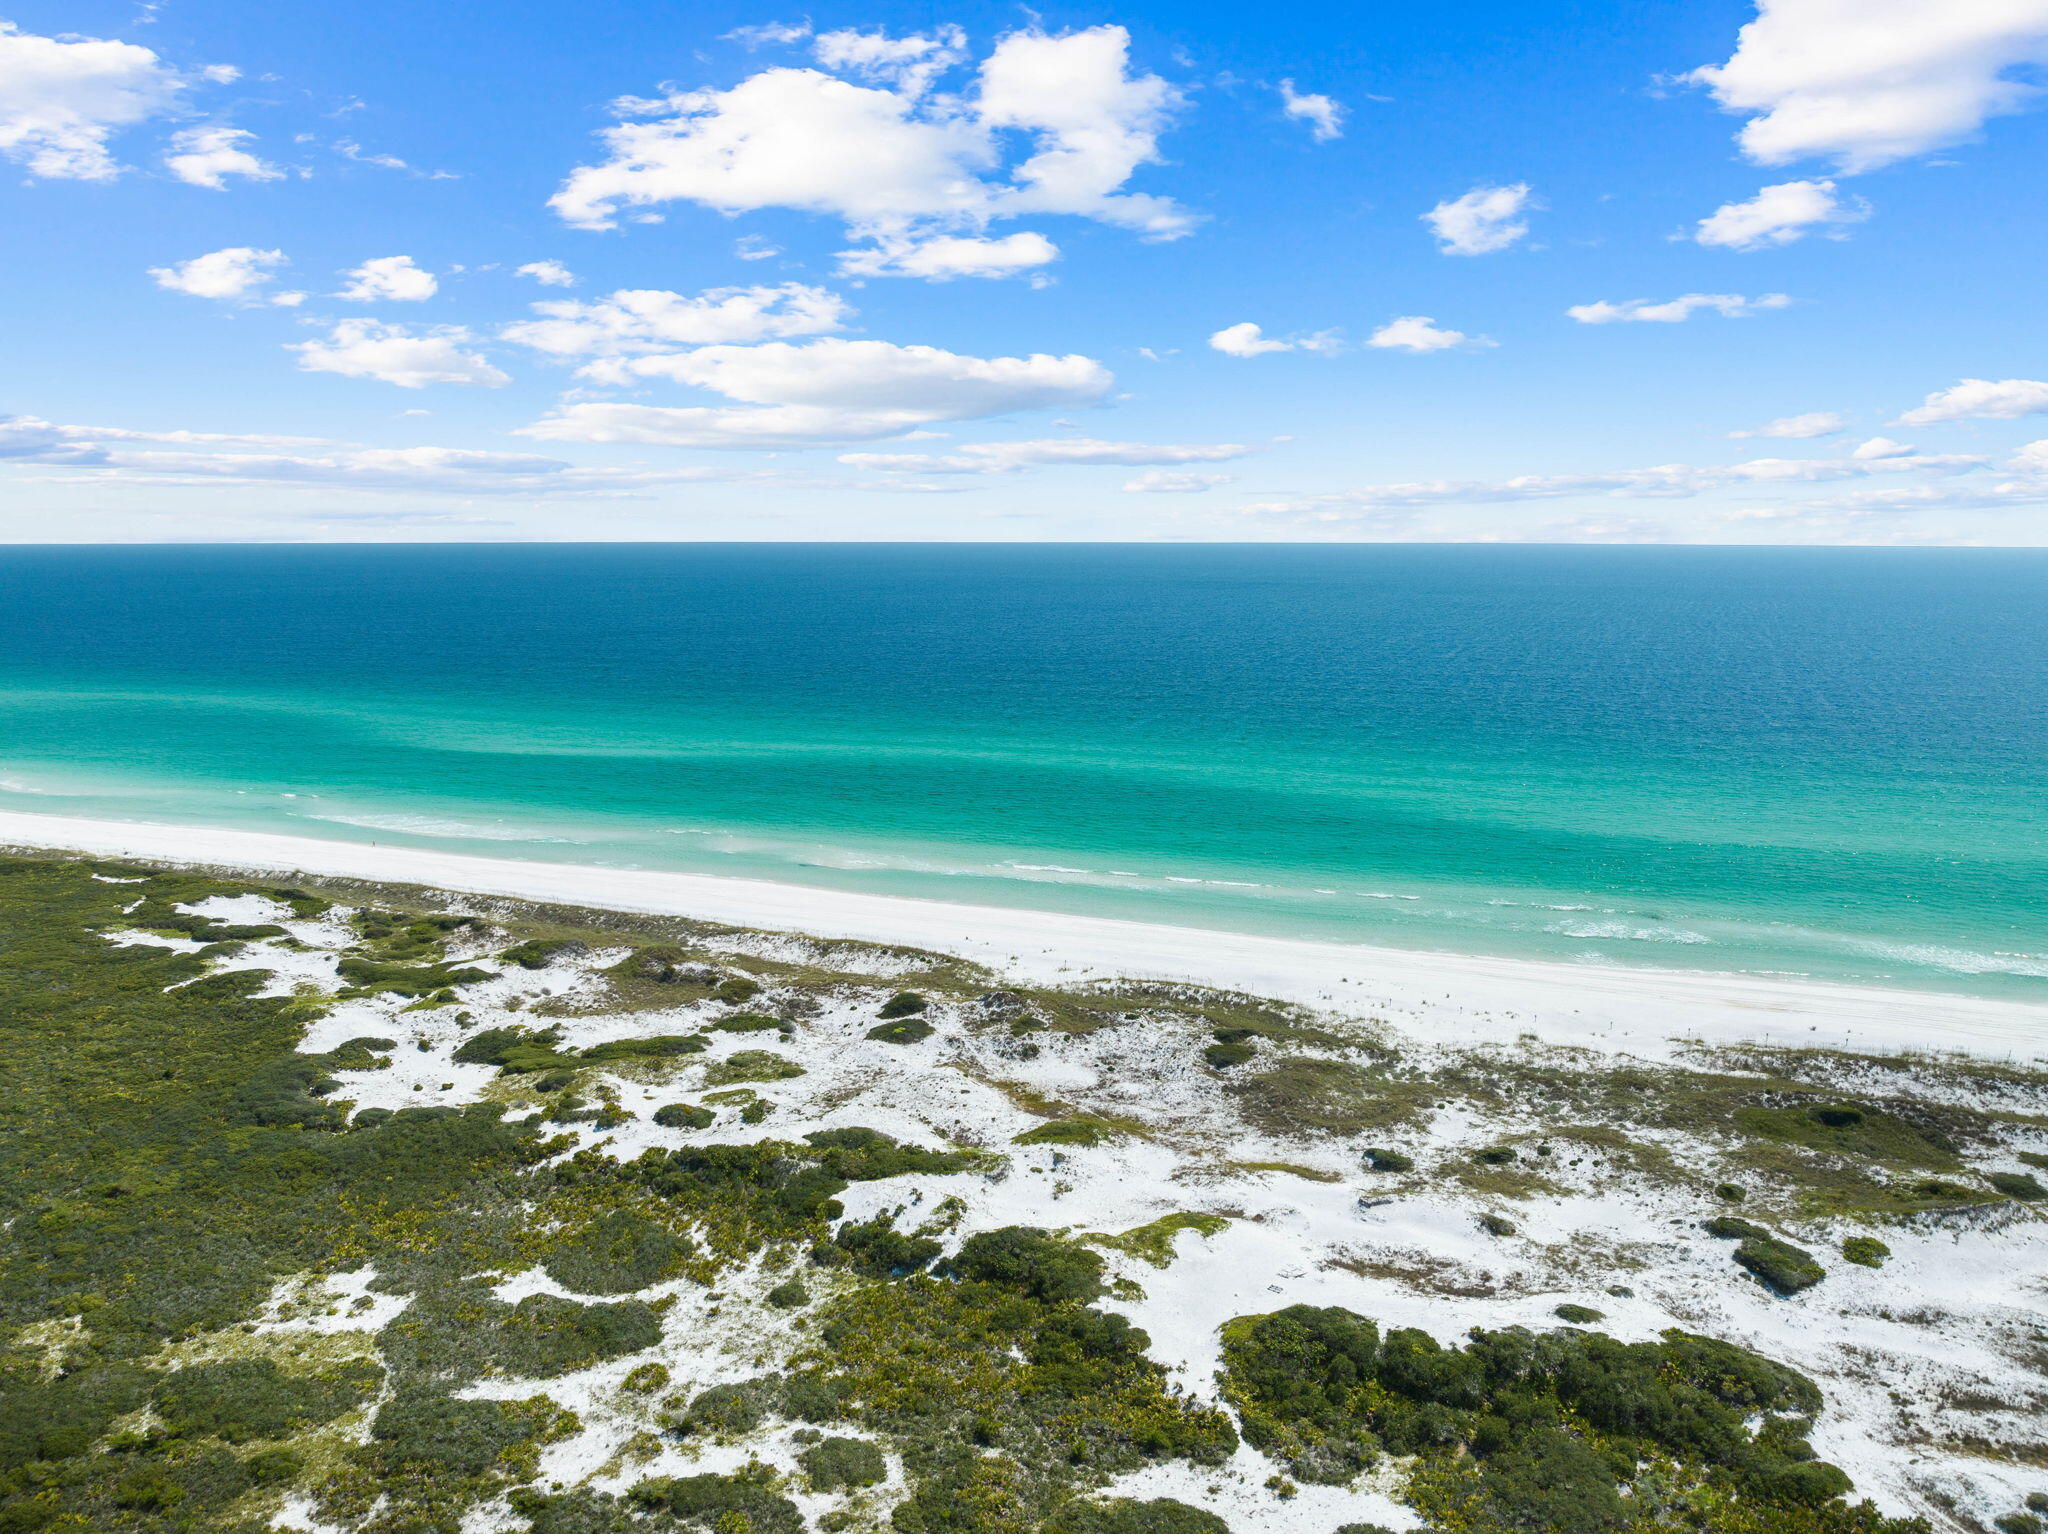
1484, 999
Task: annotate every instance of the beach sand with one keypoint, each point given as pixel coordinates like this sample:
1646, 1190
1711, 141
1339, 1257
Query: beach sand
1451, 997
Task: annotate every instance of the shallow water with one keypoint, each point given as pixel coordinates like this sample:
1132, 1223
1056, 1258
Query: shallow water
1823, 762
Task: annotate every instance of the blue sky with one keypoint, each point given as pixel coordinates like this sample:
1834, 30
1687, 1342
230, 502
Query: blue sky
1504, 272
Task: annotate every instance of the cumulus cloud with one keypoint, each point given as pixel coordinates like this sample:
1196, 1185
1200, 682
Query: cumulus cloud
1325, 118
62, 99
1814, 423
1047, 452
2031, 459
1166, 482
1881, 447
939, 258
1246, 340
649, 319
549, 274
1419, 333
825, 391
1780, 214
389, 278
1868, 82
1980, 399
1672, 311
236, 272
1485, 219
909, 64
1055, 124
208, 156
393, 354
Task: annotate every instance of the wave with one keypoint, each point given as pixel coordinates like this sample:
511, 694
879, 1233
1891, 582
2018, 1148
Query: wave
434, 825
1621, 930
1962, 961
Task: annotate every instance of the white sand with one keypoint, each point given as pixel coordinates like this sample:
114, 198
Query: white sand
1452, 997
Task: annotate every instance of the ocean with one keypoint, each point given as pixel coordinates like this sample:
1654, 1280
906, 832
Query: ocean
1830, 763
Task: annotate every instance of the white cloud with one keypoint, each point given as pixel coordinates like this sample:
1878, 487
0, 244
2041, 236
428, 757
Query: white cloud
349, 149
826, 391
1671, 481
393, 354
235, 272
1325, 118
939, 258
1164, 482
208, 156
770, 34
896, 166
549, 274
1671, 311
910, 64
1980, 399
1881, 447
25, 439
1780, 214
1046, 452
751, 247
1814, 423
1419, 333
1867, 82
2031, 459
63, 98
392, 278
1485, 219
646, 319
1246, 340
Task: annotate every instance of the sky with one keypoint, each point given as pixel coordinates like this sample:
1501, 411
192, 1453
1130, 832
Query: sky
1582, 271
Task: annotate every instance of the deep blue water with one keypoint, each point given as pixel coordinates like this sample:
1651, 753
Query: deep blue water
1828, 762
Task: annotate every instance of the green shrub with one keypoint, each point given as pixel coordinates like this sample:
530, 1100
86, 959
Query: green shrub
1579, 1315
1497, 1155
617, 1253
736, 989
1837, 1116
751, 1065
1729, 1192
645, 1379
1865, 1251
2018, 1523
432, 1432
1728, 1228
790, 1294
1381, 1159
684, 1116
878, 1250
1782, 1266
2018, 1184
751, 1022
1066, 1132
244, 1399
727, 1410
1223, 1056
1497, 1225
909, 1030
712, 1501
661, 1046
903, 1004
1035, 1261
1123, 1515
535, 954
834, 1464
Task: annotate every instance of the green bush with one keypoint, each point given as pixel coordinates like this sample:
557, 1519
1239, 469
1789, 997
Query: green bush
751, 1065
1035, 1261
1123, 1515
903, 1004
728, 1411
1782, 1266
1381, 1159
1579, 1315
1065, 1132
1728, 1228
244, 1399
1497, 1225
712, 1501
661, 1046
835, 1464
878, 1250
684, 1116
1729, 1192
2018, 1184
790, 1294
433, 1432
751, 1022
909, 1030
535, 954
1865, 1251
617, 1253
1222, 1056
736, 989
2018, 1523
1497, 1155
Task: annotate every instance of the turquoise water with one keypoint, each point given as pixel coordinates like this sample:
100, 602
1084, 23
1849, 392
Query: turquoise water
1820, 762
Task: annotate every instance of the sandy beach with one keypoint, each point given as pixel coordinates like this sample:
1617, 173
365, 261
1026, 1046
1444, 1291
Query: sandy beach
1441, 995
